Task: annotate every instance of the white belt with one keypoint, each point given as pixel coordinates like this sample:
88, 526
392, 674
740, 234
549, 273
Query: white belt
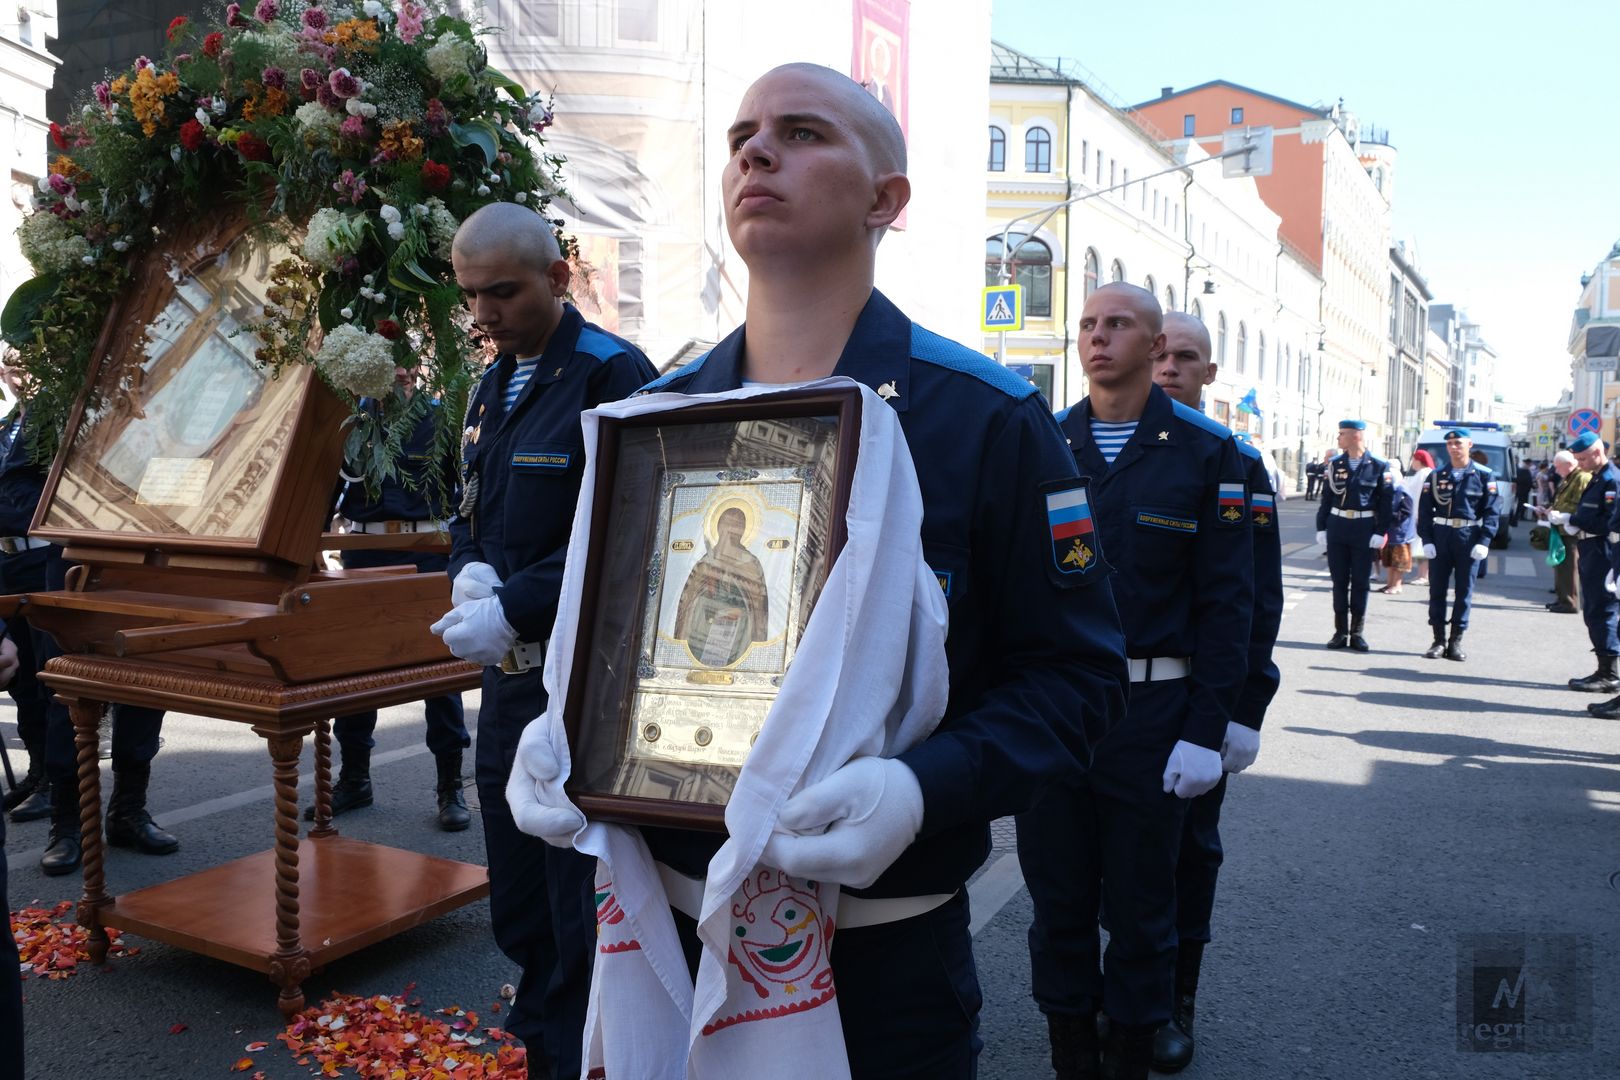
1159, 668
685, 894
1352, 514
15, 545
522, 656
378, 527
1456, 523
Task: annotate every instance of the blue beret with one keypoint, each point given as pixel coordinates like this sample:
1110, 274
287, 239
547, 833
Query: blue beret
1583, 442
1358, 425
1458, 433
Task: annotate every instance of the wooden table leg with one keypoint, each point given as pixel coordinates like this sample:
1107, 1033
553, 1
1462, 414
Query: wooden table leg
86, 717
323, 781
289, 964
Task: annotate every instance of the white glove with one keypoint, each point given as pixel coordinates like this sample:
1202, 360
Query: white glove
534, 791
477, 631
1558, 517
476, 581
1241, 747
1609, 584
851, 826
1478, 552
1321, 538
1191, 770
1377, 541
1429, 551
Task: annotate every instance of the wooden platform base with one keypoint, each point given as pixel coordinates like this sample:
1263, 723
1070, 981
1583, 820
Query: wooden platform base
350, 894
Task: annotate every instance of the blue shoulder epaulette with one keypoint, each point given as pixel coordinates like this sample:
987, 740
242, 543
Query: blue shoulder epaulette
1248, 450
598, 344
670, 376
1063, 413
1199, 420
931, 348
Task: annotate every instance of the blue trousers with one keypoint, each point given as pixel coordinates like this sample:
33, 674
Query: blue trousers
1350, 564
11, 1014
446, 720
20, 573
1111, 839
540, 904
1599, 609
1199, 864
1452, 569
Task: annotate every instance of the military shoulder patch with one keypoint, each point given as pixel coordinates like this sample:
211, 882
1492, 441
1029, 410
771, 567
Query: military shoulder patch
1231, 504
1076, 546
1263, 510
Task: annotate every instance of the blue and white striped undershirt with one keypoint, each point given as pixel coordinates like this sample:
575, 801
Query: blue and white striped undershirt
520, 379
1111, 438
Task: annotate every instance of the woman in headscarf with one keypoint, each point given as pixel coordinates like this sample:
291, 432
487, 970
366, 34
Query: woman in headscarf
1417, 474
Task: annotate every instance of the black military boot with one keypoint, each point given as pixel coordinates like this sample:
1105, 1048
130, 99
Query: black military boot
1454, 649
128, 823
1074, 1045
1438, 649
1341, 633
1601, 681
30, 800
1605, 710
1357, 642
62, 851
453, 815
1127, 1053
353, 788
1173, 1043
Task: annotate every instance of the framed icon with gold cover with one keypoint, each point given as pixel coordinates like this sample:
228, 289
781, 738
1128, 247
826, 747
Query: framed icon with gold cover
713, 530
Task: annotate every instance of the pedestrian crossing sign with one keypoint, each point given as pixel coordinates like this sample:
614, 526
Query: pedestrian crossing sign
1002, 308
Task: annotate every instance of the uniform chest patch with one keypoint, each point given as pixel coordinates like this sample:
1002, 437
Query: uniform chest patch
540, 460
1262, 510
1075, 547
1231, 503
1154, 520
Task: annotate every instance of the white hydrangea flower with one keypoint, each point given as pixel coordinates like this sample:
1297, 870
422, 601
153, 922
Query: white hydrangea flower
203, 118
450, 57
359, 362
347, 313
331, 235
396, 230
50, 245
316, 120
441, 228
522, 196
483, 189
389, 214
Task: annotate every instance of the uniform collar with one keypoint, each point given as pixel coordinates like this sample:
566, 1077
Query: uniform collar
878, 353
554, 359
1158, 418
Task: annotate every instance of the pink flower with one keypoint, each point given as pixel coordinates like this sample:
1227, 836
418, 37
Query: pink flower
142, 62
103, 95
266, 11
324, 95
274, 78
61, 185
314, 19
410, 21
350, 186
233, 17
343, 84
353, 127
309, 78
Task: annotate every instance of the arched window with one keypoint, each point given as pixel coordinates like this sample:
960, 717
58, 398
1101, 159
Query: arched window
1149, 284
1220, 339
1116, 271
1242, 347
1169, 298
1037, 150
1031, 268
998, 149
1093, 267
1260, 355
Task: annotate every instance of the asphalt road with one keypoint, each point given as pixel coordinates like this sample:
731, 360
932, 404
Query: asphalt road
1401, 809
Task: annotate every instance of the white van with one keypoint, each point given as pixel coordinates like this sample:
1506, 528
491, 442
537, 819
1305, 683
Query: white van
1495, 444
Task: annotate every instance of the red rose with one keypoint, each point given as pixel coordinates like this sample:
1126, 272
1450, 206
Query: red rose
389, 329
58, 137
435, 177
212, 43
175, 24
192, 134
252, 148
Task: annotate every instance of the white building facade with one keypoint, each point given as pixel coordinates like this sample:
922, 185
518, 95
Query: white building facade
26, 72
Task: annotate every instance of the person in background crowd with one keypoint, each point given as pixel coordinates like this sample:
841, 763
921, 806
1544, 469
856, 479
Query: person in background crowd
1396, 555
1589, 525
1571, 486
1456, 520
1523, 483
1351, 524
1417, 475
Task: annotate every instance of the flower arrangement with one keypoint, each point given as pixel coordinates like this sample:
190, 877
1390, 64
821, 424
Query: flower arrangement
358, 134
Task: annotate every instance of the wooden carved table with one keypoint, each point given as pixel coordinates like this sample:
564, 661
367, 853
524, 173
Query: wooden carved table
304, 903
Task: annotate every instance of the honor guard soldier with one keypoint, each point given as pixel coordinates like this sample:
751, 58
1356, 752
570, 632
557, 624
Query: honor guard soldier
1456, 521
22, 569
1182, 371
1166, 489
521, 469
1590, 525
408, 502
816, 175
1351, 522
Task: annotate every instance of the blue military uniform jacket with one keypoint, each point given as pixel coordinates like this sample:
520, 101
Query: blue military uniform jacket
1596, 511
523, 468
1035, 650
1174, 515
1263, 678
1470, 496
411, 495
1369, 488
21, 480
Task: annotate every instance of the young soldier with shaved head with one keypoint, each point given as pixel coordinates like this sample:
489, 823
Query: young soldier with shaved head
522, 461
815, 177
1182, 371
1167, 492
